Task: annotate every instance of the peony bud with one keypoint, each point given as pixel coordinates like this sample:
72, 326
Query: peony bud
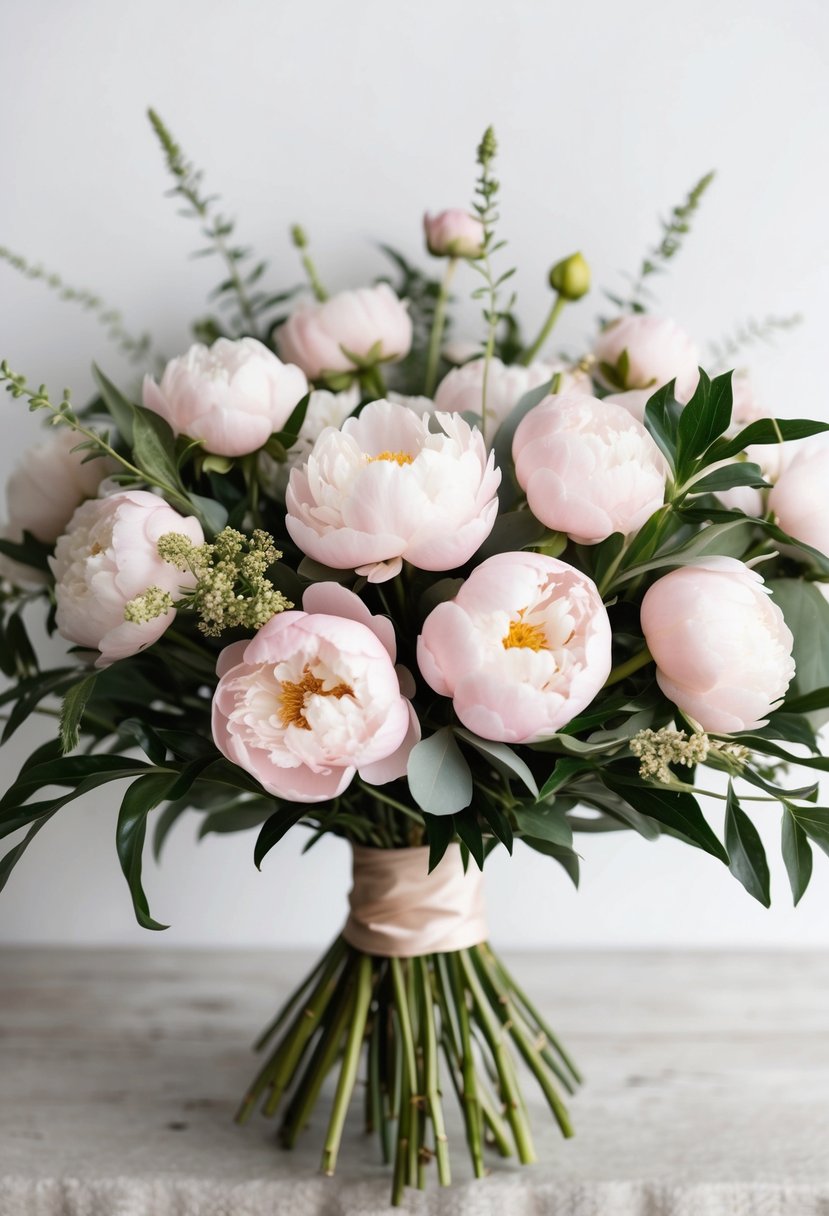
571, 277
454, 234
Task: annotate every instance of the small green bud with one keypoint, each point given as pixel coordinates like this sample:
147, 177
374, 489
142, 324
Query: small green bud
571, 277
299, 237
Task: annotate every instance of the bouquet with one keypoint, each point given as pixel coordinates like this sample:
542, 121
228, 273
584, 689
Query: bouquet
335, 568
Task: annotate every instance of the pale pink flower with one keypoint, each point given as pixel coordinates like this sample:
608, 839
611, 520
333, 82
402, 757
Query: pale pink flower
461, 390
522, 649
322, 336
385, 488
48, 483
722, 649
588, 468
657, 351
634, 401
107, 557
231, 396
800, 497
453, 233
314, 698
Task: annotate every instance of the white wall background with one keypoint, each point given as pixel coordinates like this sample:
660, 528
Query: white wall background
354, 118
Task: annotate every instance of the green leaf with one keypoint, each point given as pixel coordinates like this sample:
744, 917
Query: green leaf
706, 416
275, 827
70, 770
289, 434
239, 818
815, 823
10, 860
440, 831
28, 552
797, 855
805, 703
470, 835
440, 780
71, 714
211, 514
503, 757
676, 809
806, 613
497, 821
544, 823
141, 797
565, 768
154, 448
662, 414
764, 430
119, 408
739, 473
746, 855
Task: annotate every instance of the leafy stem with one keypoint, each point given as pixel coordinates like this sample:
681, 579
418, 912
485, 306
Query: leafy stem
438, 325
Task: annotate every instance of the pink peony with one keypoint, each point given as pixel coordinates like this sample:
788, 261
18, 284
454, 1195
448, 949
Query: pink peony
453, 234
588, 468
107, 557
313, 698
800, 499
523, 647
461, 390
722, 650
657, 351
370, 322
385, 488
231, 396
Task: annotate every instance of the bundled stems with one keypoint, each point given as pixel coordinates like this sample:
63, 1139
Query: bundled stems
457, 1015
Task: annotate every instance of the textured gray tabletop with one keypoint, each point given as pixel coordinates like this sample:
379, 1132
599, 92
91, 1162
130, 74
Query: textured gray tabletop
707, 1093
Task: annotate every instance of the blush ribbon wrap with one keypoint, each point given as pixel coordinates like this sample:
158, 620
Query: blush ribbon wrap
400, 910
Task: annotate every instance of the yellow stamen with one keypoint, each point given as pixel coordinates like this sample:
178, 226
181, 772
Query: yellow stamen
95, 550
529, 637
400, 458
294, 697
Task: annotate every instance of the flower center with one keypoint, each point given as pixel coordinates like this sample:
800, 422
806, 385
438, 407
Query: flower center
522, 634
400, 458
293, 697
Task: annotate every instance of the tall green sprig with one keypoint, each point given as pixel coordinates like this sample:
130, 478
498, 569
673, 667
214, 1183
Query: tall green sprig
138, 349
236, 289
749, 333
674, 230
485, 207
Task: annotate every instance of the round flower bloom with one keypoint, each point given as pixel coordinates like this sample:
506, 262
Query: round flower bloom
369, 323
313, 698
461, 389
634, 401
231, 396
523, 647
588, 468
722, 650
107, 557
385, 488
657, 351
454, 234
799, 498
43, 491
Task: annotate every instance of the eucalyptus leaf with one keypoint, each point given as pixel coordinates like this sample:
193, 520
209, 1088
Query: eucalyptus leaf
440, 780
503, 757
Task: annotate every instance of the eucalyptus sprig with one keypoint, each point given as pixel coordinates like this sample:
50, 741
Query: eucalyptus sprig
674, 230
485, 207
218, 229
138, 349
749, 333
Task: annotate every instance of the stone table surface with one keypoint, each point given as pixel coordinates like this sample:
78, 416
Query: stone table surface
707, 1091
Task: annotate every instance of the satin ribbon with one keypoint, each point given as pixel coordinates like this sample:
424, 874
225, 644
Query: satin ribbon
400, 910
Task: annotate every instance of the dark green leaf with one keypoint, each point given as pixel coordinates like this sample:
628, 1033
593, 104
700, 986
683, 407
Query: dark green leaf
287, 437
440, 831
275, 827
141, 797
513, 530
565, 769
566, 858
740, 473
70, 770
797, 855
13, 856
471, 836
674, 808
806, 613
119, 408
71, 714
746, 855
662, 414
764, 430
706, 416
815, 823
154, 448
545, 823
497, 820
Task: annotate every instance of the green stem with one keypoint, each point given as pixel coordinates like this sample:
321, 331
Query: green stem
546, 329
468, 1093
438, 325
319, 291
351, 1061
430, 1065
634, 663
336, 947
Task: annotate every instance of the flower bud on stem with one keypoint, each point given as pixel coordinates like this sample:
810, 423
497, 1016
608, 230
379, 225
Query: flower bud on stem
300, 242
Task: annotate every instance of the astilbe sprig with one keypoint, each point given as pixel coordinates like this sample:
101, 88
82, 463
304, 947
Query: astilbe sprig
232, 588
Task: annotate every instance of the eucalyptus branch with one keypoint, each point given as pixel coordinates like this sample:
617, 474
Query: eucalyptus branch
749, 333
485, 207
138, 349
216, 228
